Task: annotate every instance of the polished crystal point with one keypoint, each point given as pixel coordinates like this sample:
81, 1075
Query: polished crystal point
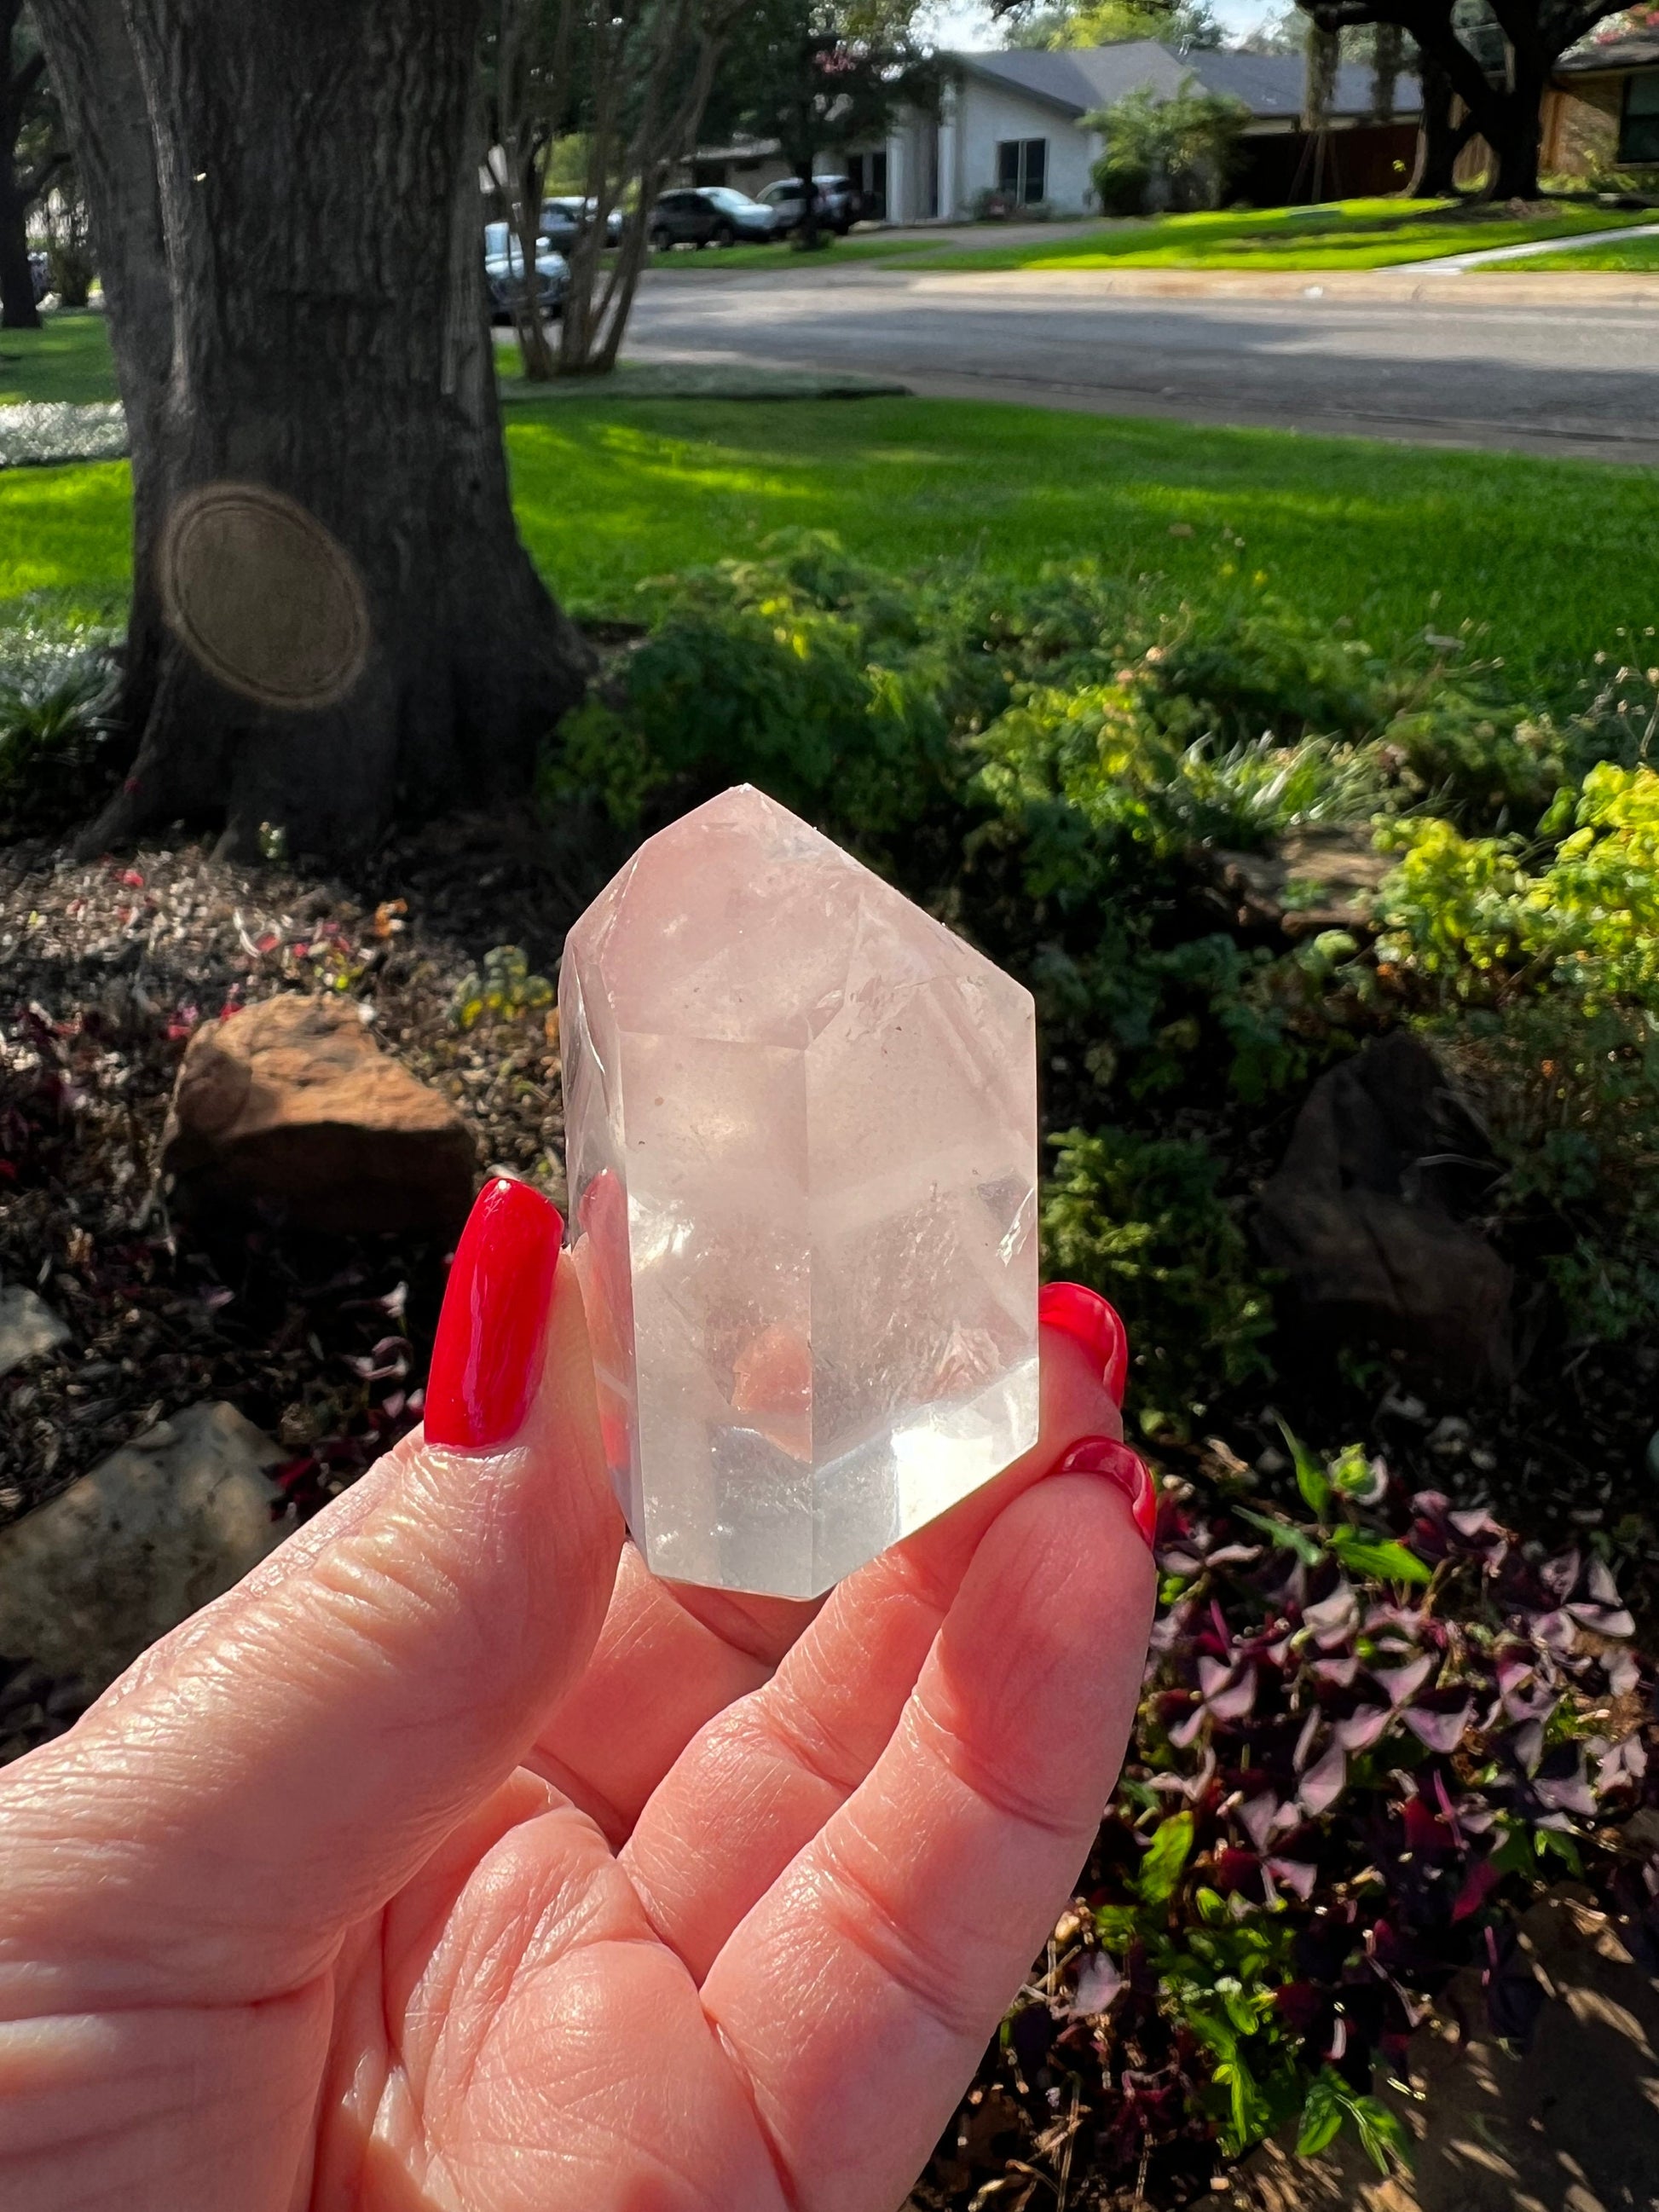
801, 1149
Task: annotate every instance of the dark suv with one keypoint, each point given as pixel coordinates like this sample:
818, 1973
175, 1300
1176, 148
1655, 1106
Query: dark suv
686, 218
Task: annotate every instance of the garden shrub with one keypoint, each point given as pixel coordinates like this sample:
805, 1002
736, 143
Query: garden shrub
1047, 766
1142, 1218
58, 682
1166, 150
1538, 967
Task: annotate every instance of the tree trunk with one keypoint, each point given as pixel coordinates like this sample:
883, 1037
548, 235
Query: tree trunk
1520, 146
17, 309
332, 613
1439, 140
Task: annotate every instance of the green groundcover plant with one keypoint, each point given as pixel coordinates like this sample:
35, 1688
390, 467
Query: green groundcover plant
1373, 1727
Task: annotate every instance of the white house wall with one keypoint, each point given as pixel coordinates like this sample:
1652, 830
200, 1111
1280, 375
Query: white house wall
986, 114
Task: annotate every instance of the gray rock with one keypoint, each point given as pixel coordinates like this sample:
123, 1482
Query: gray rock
144, 1540
28, 1327
1367, 1217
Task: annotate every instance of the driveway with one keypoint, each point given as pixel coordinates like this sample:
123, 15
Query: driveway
1578, 379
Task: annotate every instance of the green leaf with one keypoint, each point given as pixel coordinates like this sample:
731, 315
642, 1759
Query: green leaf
1387, 1561
1564, 1848
1321, 2117
1116, 1925
1381, 2133
1160, 1869
1309, 1475
1307, 1548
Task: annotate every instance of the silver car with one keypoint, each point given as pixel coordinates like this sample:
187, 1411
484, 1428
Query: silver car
504, 273
839, 204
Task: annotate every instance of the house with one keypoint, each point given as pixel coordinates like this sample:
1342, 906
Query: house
1012, 124
1603, 112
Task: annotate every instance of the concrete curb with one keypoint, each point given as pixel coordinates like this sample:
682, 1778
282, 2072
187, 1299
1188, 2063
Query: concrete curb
1596, 288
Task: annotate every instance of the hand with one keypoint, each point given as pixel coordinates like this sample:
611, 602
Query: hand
450, 1860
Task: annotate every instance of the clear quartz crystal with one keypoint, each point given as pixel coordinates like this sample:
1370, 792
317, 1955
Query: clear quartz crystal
801, 1145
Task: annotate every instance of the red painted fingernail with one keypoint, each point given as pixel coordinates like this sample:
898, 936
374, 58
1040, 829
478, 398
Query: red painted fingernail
488, 1356
1105, 1456
1087, 1316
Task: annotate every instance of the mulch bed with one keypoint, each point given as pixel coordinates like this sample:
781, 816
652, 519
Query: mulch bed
106, 968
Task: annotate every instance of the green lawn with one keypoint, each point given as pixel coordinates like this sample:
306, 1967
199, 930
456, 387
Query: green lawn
1637, 254
69, 359
1367, 233
1550, 556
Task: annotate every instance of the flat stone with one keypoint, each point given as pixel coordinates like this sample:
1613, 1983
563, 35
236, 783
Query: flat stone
801, 1120
290, 1110
1305, 882
91, 1579
28, 1326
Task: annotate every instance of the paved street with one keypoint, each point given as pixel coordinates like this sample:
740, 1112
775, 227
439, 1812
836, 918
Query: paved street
1575, 378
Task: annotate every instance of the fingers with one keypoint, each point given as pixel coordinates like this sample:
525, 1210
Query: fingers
671, 1659
752, 1789
858, 1995
282, 1766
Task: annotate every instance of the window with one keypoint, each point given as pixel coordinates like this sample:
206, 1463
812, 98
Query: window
1023, 170
1638, 135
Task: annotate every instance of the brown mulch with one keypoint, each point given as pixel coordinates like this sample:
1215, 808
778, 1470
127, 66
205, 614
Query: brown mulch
106, 968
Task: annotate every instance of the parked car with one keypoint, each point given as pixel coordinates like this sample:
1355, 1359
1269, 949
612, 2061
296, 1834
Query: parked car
753, 223
709, 215
565, 219
839, 203
504, 268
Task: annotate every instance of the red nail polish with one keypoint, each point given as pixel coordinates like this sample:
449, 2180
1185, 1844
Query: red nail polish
1105, 1456
1095, 1324
488, 1356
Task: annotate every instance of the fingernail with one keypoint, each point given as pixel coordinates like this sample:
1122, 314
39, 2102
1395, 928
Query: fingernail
486, 1358
1105, 1456
1095, 1324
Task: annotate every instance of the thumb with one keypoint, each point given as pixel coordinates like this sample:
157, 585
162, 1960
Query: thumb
281, 1765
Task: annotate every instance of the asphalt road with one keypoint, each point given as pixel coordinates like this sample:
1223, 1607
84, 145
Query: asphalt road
1578, 379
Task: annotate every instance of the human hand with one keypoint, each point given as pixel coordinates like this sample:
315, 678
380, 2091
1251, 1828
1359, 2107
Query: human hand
451, 1861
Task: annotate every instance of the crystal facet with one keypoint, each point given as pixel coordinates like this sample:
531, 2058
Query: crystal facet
801, 1148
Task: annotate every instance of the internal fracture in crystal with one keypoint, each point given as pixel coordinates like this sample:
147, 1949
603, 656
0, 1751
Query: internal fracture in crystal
801, 1151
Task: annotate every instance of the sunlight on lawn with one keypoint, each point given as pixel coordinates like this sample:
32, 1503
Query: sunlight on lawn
1552, 558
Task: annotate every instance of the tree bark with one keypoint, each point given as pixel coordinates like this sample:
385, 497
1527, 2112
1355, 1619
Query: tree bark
332, 616
1439, 140
17, 309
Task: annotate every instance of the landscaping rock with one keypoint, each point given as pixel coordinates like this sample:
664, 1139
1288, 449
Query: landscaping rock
291, 1109
1572, 2124
1366, 1217
28, 1326
170, 1521
1305, 882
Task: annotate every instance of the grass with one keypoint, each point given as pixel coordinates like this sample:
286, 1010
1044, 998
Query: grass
1341, 235
1637, 254
68, 358
1363, 233
1551, 557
